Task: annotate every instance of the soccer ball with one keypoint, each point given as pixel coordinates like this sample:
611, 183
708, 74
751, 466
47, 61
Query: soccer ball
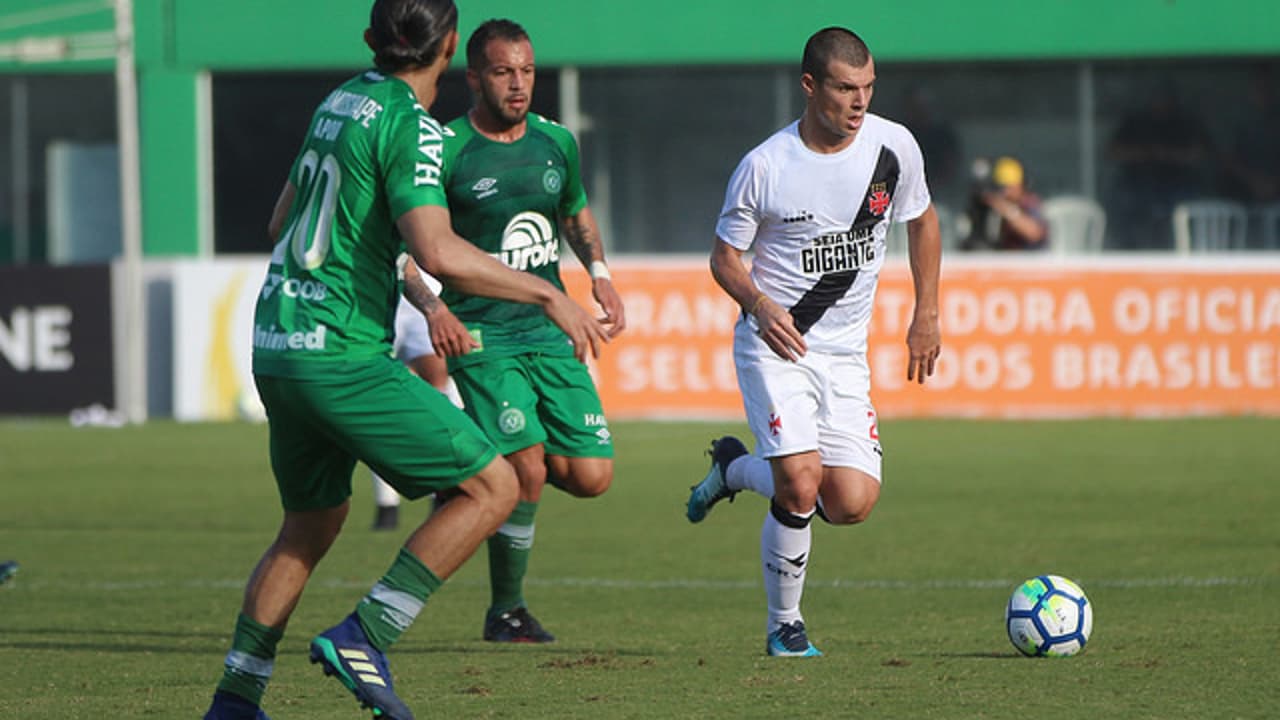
1050, 616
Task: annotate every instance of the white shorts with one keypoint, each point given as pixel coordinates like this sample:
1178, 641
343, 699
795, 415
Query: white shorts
413, 334
820, 403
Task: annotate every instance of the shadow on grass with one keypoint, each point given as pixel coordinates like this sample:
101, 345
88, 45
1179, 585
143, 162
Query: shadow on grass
983, 655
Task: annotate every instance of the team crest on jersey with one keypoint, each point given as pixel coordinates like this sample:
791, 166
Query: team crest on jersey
551, 181
878, 198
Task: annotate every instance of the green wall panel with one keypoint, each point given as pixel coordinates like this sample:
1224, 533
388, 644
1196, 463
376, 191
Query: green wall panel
326, 33
169, 117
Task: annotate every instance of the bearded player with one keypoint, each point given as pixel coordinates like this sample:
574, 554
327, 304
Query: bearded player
515, 190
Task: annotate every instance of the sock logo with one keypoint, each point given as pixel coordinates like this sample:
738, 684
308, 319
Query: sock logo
798, 560
780, 571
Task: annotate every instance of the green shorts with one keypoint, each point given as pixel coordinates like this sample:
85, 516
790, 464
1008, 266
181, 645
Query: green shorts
375, 411
529, 399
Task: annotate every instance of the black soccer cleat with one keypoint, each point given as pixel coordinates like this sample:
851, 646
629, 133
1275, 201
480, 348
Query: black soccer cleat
515, 626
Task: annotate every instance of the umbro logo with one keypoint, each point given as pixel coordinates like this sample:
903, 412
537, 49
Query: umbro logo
485, 187
802, 216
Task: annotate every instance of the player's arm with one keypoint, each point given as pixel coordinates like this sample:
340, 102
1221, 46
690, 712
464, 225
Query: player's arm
449, 336
433, 245
280, 212
924, 250
777, 328
583, 235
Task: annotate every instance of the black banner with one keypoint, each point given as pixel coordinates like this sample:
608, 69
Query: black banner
55, 339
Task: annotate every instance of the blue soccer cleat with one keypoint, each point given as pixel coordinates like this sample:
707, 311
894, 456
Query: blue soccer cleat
345, 653
713, 487
790, 640
228, 706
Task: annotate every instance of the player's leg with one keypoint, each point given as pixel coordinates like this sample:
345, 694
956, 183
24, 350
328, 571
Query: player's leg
584, 477
420, 443
782, 402
579, 443
733, 468
435, 370
500, 396
847, 496
849, 437
507, 618
386, 502
786, 540
314, 479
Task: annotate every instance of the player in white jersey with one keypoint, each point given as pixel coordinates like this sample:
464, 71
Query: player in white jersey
814, 202
413, 347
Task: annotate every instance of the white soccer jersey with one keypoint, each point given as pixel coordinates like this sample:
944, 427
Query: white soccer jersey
818, 224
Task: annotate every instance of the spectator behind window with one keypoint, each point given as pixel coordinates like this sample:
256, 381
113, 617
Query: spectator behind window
1003, 214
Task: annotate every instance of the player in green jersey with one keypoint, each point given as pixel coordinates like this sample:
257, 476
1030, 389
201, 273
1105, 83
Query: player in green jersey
367, 185
515, 189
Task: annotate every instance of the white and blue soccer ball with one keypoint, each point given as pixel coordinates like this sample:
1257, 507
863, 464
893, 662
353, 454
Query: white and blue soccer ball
1049, 616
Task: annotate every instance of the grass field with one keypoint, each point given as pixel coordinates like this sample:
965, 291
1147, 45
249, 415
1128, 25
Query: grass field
135, 544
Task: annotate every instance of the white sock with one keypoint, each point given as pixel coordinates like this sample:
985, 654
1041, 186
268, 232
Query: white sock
383, 494
450, 391
784, 556
750, 472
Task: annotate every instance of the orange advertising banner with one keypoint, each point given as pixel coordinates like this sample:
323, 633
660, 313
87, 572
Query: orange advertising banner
1022, 337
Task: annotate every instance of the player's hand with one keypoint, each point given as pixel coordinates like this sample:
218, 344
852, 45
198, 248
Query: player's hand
778, 330
924, 343
615, 318
586, 332
449, 336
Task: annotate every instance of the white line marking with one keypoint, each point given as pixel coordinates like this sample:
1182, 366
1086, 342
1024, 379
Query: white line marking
692, 584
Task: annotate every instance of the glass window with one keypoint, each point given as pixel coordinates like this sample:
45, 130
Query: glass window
660, 144
259, 120
37, 113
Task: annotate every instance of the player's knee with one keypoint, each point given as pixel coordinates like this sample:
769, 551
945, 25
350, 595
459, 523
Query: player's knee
497, 486
847, 514
580, 477
308, 535
589, 484
850, 503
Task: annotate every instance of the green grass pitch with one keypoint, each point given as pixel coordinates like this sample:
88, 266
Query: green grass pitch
135, 544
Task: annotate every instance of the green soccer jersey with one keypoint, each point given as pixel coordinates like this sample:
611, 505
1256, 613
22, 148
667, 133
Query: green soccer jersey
371, 154
506, 199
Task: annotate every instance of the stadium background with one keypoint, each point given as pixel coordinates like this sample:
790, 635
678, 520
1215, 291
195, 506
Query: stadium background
665, 97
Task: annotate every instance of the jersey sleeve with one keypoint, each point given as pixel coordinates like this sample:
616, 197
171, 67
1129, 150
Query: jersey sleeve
912, 197
743, 199
412, 155
574, 196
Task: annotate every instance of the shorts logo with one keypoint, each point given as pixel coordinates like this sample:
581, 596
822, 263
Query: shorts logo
775, 424
604, 435
511, 421
551, 181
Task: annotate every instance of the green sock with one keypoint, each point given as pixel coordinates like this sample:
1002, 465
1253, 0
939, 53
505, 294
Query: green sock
509, 550
395, 601
252, 657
